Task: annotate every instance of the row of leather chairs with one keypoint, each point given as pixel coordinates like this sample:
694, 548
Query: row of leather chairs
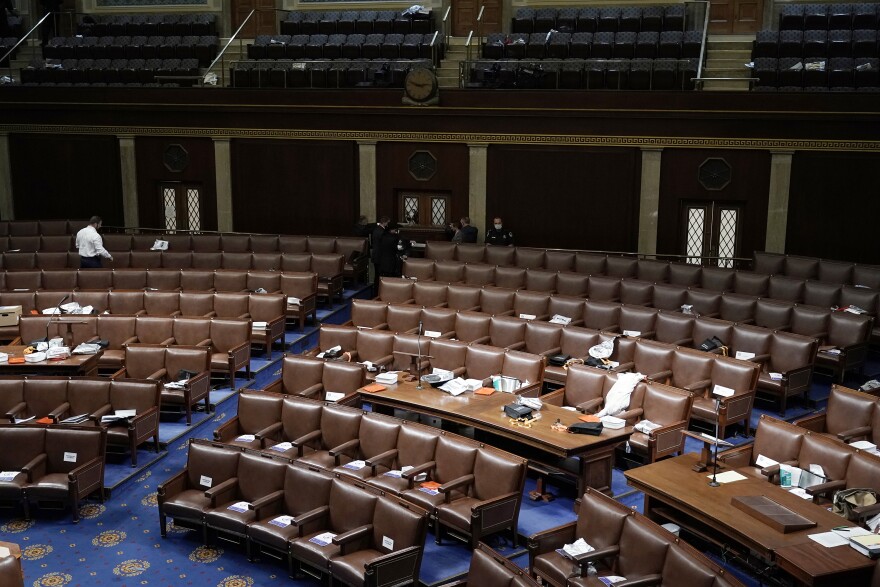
305, 73
40, 227
314, 378
834, 73
670, 17
670, 408
828, 16
289, 506
850, 415
626, 544
58, 465
203, 48
356, 21
464, 359
843, 466
815, 268
57, 398
148, 24
593, 74
842, 337
107, 71
229, 340
475, 479
649, 269
340, 46
822, 43
603, 45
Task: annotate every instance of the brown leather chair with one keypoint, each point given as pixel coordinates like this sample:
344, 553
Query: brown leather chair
44, 398
257, 417
127, 303
448, 271
374, 346
479, 274
341, 377
197, 304
438, 320
267, 277
197, 280
230, 280
705, 303
235, 243
559, 260
231, 305
575, 342
376, 437
146, 259
448, 355
267, 313
491, 569
863, 471
669, 296
500, 256
651, 270
144, 397
636, 292
507, 332
637, 321
738, 308
369, 314
740, 376
24, 280
29, 446
531, 305
569, 307
332, 335
161, 303
176, 259
453, 460
786, 288
791, 356
849, 334
256, 478
540, 280
237, 261
303, 289
192, 331
72, 467
403, 318
329, 269
472, 327
154, 330
118, 331
601, 316
848, 415
774, 439
463, 298
397, 291
299, 376
357, 258
717, 279
510, 277
572, 284
304, 491
88, 396
187, 494
293, 244
604, 289
774, 314
164, 279
231, 347
348, 508
674, 328
497, 301
482, 361
418, 269
670, 408
542, 338
465, 252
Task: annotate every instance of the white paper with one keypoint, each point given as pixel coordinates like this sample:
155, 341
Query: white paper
292, 301
632, 332
282, 446
560, 319
829, 539
239, 506
8, 475
205, 481
323, 539
864, 445
455, 387
722, 391
714, 440
386, 378
817, 470
70, 457
775, 376
612, 579
763, 461
245, 438
801, 493
577, 547
443, 373
125, 413
743, 355
332, 396
261, 325
433, 333
527, 316
388, 543
355, 465
728, 477
282, 521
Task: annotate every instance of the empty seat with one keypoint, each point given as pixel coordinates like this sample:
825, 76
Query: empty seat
815, 43
587, 20
646, 44
558, 46
608, 19
673, 17
624, 45
815, 17
839, 44
523, 20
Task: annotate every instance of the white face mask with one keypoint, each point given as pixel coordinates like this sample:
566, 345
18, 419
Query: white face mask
498, 227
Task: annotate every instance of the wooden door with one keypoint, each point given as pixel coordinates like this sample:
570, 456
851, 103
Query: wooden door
465, 13
181, 205
735, 16
263, 22
711, 229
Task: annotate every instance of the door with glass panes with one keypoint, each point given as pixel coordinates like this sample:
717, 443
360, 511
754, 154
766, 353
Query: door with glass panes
424, 209
711, 232
181, 206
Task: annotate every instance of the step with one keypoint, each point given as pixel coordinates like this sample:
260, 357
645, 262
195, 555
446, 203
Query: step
722, 72
727, 54
726, 86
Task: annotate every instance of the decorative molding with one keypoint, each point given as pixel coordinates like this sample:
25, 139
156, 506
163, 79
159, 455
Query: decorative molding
138, 6
466, 138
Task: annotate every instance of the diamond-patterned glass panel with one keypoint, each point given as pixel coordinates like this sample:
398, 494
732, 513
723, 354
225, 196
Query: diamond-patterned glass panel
169, 202
438, 211
727, 237
192, 209
695, 231
411, 209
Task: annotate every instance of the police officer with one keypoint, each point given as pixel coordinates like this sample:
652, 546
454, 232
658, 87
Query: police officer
497, 235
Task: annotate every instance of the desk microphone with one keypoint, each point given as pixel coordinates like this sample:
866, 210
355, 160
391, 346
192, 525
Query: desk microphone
56, 310
419, 358
714, 482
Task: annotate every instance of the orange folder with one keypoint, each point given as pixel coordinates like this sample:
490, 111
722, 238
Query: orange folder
16, 360
374, 388
484, 391
431, 485
589, 418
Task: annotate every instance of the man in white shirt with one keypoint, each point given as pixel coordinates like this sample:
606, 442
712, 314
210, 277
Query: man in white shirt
91, 245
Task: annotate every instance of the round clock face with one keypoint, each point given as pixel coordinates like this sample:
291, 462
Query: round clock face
421, 84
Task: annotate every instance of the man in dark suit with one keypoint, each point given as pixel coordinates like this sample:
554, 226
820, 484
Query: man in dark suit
375, 240
465, 234
6, 9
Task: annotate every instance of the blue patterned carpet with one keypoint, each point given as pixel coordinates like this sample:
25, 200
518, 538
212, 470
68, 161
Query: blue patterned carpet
118, 543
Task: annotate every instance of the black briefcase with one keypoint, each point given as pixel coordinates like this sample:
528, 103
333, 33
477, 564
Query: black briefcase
592, 428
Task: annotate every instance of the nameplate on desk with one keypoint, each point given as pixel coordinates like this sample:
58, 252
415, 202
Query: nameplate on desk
775, 515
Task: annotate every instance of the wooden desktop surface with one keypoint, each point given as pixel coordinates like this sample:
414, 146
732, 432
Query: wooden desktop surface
73, 365
485, 413
674, 491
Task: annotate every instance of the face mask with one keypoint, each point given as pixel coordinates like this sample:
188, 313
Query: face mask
497, 227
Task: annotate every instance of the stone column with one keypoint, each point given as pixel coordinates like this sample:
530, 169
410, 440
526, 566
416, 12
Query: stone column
223, 180
649, 200
128, 164
777, 205
7, 207
477, 187
367, 179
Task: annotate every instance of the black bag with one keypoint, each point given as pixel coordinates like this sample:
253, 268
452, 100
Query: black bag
517, 411
184, 375
592, 428
558, 360
711, 344
332, 354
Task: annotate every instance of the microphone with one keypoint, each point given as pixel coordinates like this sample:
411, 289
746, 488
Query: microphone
56, 311
714, 481
419, 357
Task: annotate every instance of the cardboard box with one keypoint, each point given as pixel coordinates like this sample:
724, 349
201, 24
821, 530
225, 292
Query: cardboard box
9, 315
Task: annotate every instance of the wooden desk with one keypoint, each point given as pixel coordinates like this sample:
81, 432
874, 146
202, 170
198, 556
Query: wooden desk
675, 492
74, 365
540, 443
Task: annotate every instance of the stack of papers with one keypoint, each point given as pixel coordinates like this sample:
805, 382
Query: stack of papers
458, 385
576, 548
259, 325
75, 419
239, 506
118, 415
176, 384
613, 422
86, 349
282, 446
389, 378
282, 521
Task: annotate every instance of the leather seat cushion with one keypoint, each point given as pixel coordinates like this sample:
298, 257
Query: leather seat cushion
52, 486
311, 553
223, 518
427, 501
458, 513
12, 489
639, 440
271, 535
394, 485
320, 458
349, 569
187, 504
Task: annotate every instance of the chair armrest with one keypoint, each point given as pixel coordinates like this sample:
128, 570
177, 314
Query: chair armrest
624, 367
172, 486
554, 398
418, 470
268, 431
59, 411
760, 359
205, 342
481, 340
736, 457
814, 422
158, 375
848, 435
384, 457
394, 560
128, 341
630, 415
516, 346
826, 488
88, 476
312, 390
310, 516
463, 481
302, 440
660, 376
588, 557
551, 539
353, 534
226, 430
384, 361
275, 386
589, 406
214, 493
866, 511
554, 351
36, 468
15, 410
266, 500
96, 415
344, 449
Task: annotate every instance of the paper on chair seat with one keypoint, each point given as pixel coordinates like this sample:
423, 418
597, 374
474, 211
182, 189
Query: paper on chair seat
8, 475
282, 446
433, 333
293, 301
323, 539
260, 325
332, 396
560, 319
239, 506
355, 465
282, 521
744, 356
722, 391
245, 438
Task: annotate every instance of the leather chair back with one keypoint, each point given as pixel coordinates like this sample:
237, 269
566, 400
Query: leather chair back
449, 271
621, 266
86, 394
863, 471
230, 280
471, 326
465, 252
28, 442
131, 394
419, 269
350, 507
461, 297
164, 279
777, 440
708, 327
680, 568
264, 262
600, 522
83, 443
97, 280
428, 294
637, 319
510, 277
293, 244
196, 304
161, 303
496, 474
373, 345
752, 284
674, 328
234, 243
44, 395
299, 373
191, 331
572, 284
231, 305
331, 335
506, 331
479, 274
440, 320
689, 367
236, 261
343, 377
531, 303
773, 315
524, 366
177, 259
801, 267
848, 409
790, 351
63, 279
440, 251
258, 410
369, 313
636, 292
405, 525
685, 274
481, 361
665, 405
717, 279
540, 280
205, 243
259, 476
403, 317
601, 315
299, 285
825, 295
541, 337
299, 417
142, 360
396, 291
604, 289
126, 302
377, 435
500, 256
590, 263
654, 271
153, 330
447, 354
642, 549
321, 244
454, 459
832, 456
786, 288
146, 259
197, 280
704, 302
496, 301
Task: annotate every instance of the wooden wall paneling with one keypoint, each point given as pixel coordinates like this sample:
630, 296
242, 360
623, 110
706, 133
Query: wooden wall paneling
393, 176
153, 169
833, 206
294, 187
749, 185
566, 197
66, 176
